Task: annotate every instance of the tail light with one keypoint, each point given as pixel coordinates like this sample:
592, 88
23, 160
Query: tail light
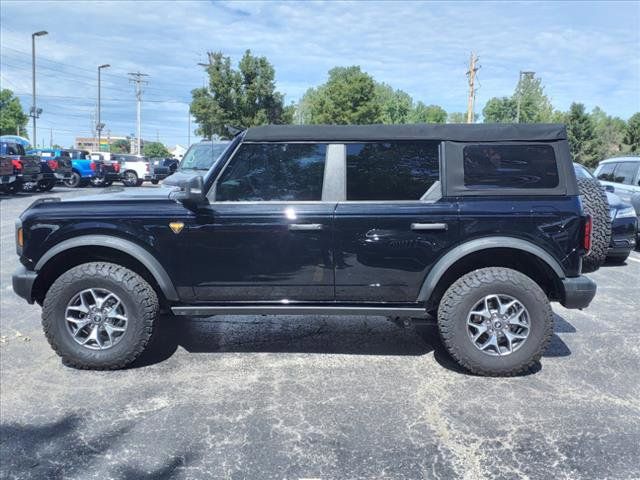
17, 164
53, 164
116, 167
147, 167
586, 240
93, 166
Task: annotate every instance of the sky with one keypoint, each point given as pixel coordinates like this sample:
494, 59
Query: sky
584, 51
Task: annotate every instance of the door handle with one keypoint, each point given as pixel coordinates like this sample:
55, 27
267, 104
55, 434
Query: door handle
429, 226
305, 226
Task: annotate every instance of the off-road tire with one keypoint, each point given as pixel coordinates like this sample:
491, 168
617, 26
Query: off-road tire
466, 292
594, 201
46, 186
139, 298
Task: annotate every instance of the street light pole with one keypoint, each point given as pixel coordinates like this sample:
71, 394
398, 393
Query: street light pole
100, 125
520, 92
34, 111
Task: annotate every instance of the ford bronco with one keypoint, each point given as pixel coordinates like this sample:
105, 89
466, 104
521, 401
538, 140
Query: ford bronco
478, 227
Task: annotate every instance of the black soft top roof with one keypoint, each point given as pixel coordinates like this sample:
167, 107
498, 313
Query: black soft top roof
454, 132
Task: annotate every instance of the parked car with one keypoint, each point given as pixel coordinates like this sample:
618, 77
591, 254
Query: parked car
26, 169
624, 222
55, 166
621, 175
478, 226
83, 168
7, 177
199, 159
161, 168
134, 169
106, 169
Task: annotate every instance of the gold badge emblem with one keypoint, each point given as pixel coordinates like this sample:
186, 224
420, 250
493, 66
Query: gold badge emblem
176, 227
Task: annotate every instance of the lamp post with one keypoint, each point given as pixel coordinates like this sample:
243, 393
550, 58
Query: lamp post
35, 112
99, 125
522, 73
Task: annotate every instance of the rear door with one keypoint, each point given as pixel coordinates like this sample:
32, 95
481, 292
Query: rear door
624, 176
393, 223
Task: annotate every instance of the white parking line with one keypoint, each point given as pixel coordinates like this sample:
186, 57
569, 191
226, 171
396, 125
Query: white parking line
633, 259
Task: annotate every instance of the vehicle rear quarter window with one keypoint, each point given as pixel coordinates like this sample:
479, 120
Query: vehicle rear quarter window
391, 170
509, 166
625, 173
274, 172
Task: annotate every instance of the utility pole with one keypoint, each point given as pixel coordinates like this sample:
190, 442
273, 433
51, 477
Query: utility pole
473, 69
100, 126
137, 79
519, 89
35, 112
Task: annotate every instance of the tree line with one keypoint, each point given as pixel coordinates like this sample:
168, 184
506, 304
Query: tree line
246, 96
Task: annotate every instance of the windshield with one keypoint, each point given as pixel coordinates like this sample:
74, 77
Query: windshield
202, 156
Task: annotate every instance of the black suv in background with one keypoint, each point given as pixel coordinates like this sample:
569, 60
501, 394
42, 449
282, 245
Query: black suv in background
479, 226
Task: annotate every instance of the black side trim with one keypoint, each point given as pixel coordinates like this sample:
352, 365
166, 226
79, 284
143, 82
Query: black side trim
23, 281
125, 246
457, 253
578, 292
208, 310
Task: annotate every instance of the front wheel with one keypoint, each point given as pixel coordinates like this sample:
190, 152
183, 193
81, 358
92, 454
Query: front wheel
495, 321
99, 316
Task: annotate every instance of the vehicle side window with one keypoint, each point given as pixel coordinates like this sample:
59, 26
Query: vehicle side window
510, 166
625, 173
274, 171
391, 170
606, 172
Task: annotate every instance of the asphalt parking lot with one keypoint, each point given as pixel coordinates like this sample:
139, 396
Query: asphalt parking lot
321, 397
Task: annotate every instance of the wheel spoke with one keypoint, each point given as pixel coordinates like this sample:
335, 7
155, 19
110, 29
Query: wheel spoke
79, 308
503, 309
492, 341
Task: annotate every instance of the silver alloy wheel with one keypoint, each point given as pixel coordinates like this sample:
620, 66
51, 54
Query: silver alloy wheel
131, 178
498, 325
96, 318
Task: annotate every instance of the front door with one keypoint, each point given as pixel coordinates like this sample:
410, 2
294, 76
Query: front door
266, 235
393, 224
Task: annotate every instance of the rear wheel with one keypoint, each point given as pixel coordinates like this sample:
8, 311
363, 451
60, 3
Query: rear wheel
130, 178
495, 321
74, 180
155, 182
594, 201
99, 316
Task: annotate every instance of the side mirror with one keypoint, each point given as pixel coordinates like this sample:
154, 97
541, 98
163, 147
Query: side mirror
609, 188
191, 192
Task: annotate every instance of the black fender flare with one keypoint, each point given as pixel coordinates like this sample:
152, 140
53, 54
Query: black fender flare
472, 246
138, 252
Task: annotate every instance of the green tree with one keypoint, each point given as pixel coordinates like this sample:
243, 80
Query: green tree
395, 105
581, 135
121, 146
242, 97
609, 132
535, 106
499, 110
457, 117
348, 97
422, 113
12, 118
155, 149
632, 134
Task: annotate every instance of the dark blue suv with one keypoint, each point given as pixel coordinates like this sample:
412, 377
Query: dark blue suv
479, 227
